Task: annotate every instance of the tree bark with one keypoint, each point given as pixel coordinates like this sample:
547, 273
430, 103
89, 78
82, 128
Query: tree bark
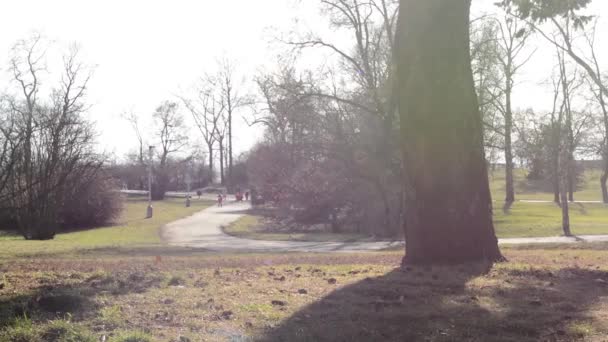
210, 149
563, 171
510, 190
605, 152
571, 178
556, 137
603, 179
556, 190
230, 142
222, 180
448, 204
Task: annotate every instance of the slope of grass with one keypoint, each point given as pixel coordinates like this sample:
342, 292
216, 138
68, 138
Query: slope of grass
589, 189
544, 219
132, 231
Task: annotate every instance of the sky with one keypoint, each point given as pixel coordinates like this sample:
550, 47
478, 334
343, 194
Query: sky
146, 52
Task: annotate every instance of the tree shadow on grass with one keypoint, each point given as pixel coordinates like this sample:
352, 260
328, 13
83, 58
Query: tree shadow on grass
506, 208
461, 303
580, 207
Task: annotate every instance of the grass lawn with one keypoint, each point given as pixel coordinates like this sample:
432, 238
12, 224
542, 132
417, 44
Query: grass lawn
132, 231
544, 219
521, 220
251, 227
536, 190
540, 294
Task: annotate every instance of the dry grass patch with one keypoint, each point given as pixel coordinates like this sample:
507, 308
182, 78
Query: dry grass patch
554, 295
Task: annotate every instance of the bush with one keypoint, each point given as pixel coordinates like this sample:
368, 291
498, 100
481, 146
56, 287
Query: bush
92, 202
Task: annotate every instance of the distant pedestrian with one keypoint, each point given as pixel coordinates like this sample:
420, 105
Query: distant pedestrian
220, 199
246, 195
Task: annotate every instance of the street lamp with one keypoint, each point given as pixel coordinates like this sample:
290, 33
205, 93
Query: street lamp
149, 210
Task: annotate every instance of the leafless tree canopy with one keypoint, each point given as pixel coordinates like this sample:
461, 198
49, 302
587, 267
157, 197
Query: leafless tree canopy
47, 143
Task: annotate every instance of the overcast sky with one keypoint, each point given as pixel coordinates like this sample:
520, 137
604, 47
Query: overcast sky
145, 51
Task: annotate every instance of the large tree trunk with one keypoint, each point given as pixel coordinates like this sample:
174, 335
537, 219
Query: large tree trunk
448, 208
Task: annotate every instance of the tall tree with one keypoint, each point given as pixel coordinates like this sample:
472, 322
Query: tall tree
366, 64
565, 18
207, 111
511, 41
601, 98
487, 76
233, 100
170, 132
140, 157
565, 132
57, 146
448, 203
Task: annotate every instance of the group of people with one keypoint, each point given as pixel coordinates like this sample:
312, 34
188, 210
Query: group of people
238, 196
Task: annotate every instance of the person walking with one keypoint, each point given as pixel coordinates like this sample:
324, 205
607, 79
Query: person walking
246, 195
220, 200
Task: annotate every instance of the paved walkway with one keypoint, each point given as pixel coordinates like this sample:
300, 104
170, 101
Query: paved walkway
203, 230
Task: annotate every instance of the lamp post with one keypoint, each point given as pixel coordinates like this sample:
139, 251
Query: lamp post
149, 210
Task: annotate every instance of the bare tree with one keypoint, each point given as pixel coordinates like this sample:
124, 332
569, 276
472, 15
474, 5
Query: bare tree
221, 126
511, 41
566, 20
564, 157
207, 111
11, 141
27, 63
141, 157
600, 98
57, 146
233, 100
170, 132
133, 120
488, 77
367, 65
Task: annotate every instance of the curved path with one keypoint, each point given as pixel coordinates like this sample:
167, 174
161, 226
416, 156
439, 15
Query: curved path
203, 230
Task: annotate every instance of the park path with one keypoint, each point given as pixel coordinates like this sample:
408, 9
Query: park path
203, 230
